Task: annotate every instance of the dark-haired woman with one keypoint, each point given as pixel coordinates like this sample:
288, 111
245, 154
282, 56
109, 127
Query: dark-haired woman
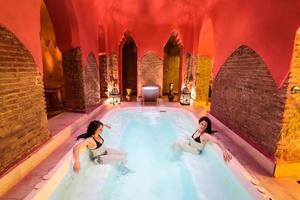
94, 142
199, 138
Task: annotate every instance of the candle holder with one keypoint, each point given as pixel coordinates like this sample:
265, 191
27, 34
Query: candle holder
114, 97
185, 98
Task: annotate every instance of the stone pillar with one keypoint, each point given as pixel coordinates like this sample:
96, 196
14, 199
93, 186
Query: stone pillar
82, 84
103, 73
23, 119
73, 78
112, 71
91, 83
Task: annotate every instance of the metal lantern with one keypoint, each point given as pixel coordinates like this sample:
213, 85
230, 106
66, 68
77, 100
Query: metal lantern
114, 97
185, 98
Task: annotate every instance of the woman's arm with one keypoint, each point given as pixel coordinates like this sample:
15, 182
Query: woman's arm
76, 148
213, 139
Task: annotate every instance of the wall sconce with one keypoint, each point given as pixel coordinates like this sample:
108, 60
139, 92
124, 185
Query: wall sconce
185, 98
295, 90
114, 97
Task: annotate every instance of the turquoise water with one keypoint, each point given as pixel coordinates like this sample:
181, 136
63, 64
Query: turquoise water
159, 172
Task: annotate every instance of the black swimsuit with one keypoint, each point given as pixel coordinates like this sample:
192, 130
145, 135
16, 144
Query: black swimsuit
98, 157
99, 144
197, 139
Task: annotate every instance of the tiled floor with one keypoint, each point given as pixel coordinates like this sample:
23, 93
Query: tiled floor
280, 188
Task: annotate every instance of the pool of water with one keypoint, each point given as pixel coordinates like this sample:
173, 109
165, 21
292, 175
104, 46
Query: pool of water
159, 172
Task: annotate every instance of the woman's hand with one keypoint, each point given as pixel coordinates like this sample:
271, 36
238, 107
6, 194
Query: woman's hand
227, 157
76, 166
108, 126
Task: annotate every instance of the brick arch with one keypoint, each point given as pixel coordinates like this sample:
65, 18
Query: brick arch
23, 123
150, 71
91, 82
245, 98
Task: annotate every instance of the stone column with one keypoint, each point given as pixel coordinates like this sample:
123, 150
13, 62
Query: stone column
73, 79
91, 83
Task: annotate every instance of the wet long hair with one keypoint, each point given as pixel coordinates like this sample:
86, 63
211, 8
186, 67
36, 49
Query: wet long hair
208, 128
93, 126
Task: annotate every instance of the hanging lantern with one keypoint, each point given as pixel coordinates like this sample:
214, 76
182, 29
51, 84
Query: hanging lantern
185, 98
114, 97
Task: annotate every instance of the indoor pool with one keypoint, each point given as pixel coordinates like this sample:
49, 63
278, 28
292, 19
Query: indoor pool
159, 173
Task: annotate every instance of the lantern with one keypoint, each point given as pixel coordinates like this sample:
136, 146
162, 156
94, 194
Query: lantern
114, 97
185, 98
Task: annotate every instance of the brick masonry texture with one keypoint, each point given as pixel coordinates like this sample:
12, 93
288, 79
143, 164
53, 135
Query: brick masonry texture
103, 73
91, 82
189, 69
150, 71
246, 99
112, 76
112, 64
289, 144
73, 80
23, 120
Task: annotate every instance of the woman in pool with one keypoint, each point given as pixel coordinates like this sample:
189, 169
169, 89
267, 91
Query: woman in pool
94, 142
200, 137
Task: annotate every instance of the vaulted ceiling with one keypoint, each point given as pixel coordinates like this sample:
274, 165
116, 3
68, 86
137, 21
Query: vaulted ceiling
212, 28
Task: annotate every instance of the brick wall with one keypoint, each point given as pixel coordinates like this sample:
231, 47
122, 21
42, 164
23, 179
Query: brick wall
112, 71
150, 71
246, 99
73, 80
288, 147
103, 74
23, 120
91, 82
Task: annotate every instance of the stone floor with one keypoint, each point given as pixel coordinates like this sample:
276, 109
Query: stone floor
279, 188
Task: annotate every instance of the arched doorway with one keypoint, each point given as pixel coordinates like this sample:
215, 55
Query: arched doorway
129, 66
171, 65
52, 66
